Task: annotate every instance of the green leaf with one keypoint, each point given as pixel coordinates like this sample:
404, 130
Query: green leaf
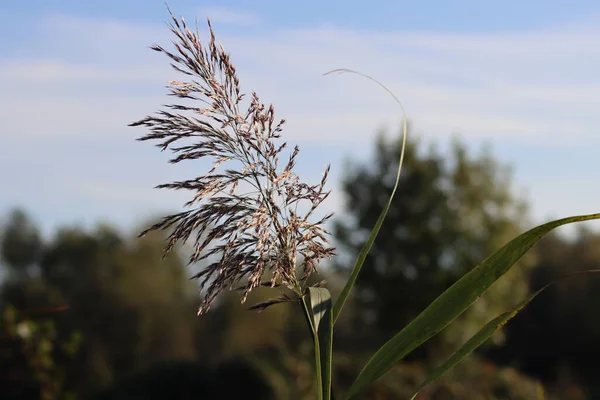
339, 304
453, 302
319, 307
486, 332
477, 340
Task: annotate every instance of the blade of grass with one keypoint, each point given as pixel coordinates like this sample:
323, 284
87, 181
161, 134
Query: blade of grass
319, 310
486, 332
306, 303
453, 302
341, 300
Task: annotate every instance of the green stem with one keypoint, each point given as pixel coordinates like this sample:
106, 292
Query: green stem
313, 329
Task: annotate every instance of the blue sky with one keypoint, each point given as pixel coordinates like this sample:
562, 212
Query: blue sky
522, 76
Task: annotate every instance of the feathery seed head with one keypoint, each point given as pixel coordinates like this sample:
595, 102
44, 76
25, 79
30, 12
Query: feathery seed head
253, 233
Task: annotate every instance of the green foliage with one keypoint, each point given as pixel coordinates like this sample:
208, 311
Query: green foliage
319, 311
274, 341
33, 356
474, 379
564, 318
132, 308
234, 379
366, 248
472, 344
21, 244
485, 333
451, 212
454, 302
460, 296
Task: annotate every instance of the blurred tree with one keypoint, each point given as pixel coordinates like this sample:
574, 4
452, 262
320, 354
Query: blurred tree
235, 379
276, 342
32, 356
132, 308
449, 214
21, 244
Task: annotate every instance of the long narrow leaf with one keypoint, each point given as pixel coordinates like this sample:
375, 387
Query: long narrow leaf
477, 340
339, 304
453, 302
320, 311
486, 332
317, 347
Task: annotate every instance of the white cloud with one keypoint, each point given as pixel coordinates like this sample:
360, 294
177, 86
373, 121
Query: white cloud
60, 72
522, 86
539, 88
130, 194
225, 15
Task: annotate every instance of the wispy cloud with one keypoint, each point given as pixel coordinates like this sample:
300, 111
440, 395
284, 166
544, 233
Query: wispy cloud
525, 86
87, 78
229, 16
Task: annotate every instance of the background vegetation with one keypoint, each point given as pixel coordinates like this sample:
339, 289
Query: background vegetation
97, 314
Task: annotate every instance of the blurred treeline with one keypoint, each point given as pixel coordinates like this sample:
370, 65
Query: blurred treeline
97, 314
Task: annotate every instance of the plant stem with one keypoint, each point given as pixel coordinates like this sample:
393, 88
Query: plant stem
317, 347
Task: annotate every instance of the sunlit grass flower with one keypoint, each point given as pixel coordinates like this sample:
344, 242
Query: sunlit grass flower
250, 233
